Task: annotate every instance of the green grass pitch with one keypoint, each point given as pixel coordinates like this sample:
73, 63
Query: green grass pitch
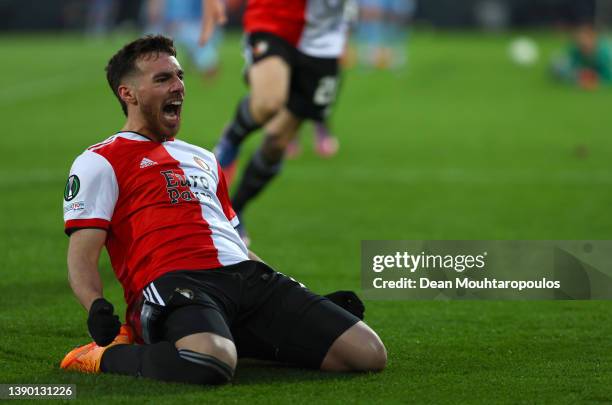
464, 145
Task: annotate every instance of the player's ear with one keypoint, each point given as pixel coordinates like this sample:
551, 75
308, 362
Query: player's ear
127, 94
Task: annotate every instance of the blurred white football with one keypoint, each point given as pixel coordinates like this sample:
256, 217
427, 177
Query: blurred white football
524, 51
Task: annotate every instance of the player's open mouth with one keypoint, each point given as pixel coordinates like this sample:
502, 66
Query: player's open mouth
172, 110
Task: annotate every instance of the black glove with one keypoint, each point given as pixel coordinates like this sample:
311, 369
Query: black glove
349, 301
102, 323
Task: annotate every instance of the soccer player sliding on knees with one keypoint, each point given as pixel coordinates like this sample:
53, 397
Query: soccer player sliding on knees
197, 298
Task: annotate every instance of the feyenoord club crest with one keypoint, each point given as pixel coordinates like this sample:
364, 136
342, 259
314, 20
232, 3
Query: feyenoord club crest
201, 163
185, 292
73, 185
260, 48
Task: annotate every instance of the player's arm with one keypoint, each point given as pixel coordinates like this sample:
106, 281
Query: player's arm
83, 253
89, 200
213, 14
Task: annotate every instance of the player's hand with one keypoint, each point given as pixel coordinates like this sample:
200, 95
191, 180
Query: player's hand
213, 15
103, 324
349, 301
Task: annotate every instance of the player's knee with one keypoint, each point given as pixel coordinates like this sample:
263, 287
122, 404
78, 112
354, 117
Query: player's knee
165, 362
211, 344
357, 349
268, 105
371, 355
204, 368
225, 352
374, 356
215, 355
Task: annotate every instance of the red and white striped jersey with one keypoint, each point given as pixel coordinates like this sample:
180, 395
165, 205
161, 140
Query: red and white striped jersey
165, 207
316, 27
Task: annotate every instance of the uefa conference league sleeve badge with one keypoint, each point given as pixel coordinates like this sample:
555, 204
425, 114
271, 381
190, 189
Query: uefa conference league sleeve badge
73, 185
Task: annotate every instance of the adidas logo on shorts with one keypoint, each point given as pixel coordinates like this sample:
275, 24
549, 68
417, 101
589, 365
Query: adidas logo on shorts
145, 162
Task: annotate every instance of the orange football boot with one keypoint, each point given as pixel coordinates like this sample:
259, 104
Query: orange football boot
86, 358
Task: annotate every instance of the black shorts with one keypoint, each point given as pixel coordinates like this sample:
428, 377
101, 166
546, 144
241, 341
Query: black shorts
268, 315
314, 81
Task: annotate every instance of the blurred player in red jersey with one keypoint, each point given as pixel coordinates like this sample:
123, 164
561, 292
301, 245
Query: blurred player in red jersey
292, 51
197, 298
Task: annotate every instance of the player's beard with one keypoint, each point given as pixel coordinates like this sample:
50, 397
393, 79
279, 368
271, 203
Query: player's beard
156, 122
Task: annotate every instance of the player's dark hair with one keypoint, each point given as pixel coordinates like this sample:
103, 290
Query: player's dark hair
123, 62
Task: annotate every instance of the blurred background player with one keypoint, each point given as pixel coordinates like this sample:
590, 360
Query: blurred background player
292, 51
101, 15
181, 19
382, 32
326, 144
587, 61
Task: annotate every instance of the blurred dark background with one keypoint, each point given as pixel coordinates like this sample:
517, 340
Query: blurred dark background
36, 15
